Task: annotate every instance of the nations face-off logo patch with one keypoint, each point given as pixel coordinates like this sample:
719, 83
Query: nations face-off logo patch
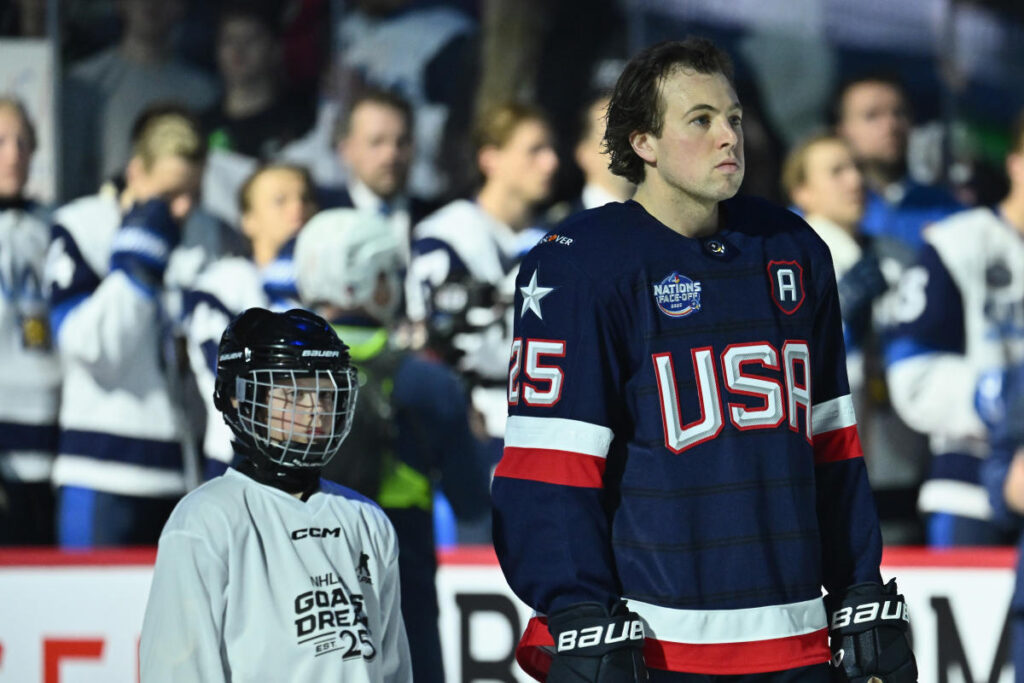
787, 283
677, 296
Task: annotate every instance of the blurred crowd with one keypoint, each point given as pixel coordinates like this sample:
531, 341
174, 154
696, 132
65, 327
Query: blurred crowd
387, 163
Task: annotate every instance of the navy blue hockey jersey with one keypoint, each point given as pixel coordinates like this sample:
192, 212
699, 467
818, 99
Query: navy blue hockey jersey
681, 436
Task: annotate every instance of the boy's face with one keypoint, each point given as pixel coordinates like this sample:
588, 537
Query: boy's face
833, 187
525, 166
280, 202
302, 412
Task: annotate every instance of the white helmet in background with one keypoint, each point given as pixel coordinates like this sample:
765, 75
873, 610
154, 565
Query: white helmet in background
341, 256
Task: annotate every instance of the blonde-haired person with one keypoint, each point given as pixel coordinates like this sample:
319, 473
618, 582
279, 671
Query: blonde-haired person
110, 268
274, 203
465, 256
30, 382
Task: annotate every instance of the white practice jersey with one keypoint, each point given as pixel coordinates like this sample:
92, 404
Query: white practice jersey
30, 381
961, 316
253, 584
121, 426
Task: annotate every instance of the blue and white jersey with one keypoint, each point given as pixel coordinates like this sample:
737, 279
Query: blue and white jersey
224, 289
121, 426
962, 316
462, 244
678, 414
30, 381
907, 208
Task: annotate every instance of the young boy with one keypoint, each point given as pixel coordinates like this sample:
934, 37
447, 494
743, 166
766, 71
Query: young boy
268, 572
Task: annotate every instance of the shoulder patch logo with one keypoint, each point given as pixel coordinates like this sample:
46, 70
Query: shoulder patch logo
677, 296
786, 279
556, 239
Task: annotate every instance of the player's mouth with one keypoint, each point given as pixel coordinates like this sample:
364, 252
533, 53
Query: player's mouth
729, 166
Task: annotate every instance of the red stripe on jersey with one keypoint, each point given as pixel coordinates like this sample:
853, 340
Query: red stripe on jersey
551, 467
839, 444
758, 656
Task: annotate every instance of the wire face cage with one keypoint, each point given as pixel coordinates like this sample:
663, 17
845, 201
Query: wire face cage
298, 418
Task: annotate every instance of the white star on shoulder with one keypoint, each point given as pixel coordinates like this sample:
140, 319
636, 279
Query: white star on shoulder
532, 294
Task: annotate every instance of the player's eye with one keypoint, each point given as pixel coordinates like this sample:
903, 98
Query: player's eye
703, 120
736, 121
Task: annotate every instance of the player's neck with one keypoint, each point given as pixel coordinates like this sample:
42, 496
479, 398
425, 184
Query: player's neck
511, 210
1012, 209
682, 213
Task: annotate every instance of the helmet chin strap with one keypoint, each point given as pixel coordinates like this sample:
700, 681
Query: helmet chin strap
295, 480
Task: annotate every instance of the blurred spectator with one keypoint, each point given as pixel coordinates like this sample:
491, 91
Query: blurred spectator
426, 53
873, 115
254, 117
113, 271
274, 203
961, 318
374, 143
600, 185
105, 94
411, 430
30, 382
465, 257
824, 183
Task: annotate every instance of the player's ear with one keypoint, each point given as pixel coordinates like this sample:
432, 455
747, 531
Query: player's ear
641, 144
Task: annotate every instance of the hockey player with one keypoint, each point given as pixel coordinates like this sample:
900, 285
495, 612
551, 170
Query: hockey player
682, 473
465, 255
274, 203
412, 427
30, 381
961, 320
269, 573
112, 283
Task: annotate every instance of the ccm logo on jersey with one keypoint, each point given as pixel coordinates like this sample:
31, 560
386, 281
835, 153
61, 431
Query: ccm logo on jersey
577, 638
870, 612
315, 532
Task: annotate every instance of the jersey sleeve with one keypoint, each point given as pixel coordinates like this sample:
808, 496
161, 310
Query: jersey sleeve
931, 382
99, 319
182, 631
551, 507
851, 541
396, 664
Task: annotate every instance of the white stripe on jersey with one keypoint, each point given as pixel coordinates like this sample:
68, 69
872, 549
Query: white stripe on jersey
836, 413
559, 434
955, 497
695, 626
117, 477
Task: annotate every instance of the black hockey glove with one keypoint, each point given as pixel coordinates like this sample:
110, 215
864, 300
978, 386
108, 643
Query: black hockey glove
596, 646
868, 634
142, 247
858, 288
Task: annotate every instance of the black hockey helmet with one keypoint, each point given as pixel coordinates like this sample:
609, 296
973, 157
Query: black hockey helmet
286, 387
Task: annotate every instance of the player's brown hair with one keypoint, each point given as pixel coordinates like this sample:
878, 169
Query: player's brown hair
245, 191
495, 126
636, 103
13, 104
794, 168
